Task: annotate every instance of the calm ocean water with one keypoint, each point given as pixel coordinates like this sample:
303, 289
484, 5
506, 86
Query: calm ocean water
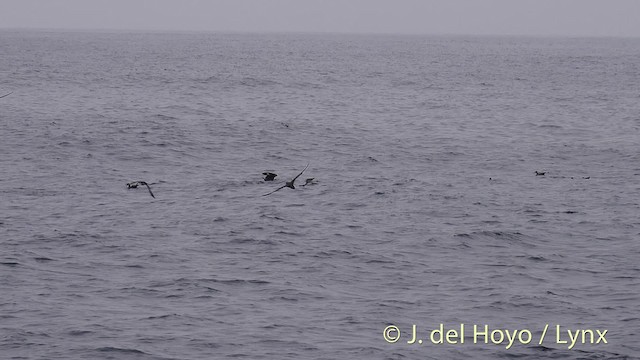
426, 210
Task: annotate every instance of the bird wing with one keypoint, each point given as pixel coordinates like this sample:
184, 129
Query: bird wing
294, 179
281, 187
6, 95
149, 188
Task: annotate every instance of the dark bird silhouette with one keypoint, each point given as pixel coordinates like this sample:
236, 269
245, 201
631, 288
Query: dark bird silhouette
6, 95
135, 184
288, 184
309, 181
269, 176
540, 173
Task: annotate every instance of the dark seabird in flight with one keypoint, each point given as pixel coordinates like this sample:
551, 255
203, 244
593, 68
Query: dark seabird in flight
540, 173
289, 184
269, 176
6, 95
135, 184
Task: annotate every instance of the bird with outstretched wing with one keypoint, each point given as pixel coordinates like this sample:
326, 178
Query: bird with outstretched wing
135, 184
288, 184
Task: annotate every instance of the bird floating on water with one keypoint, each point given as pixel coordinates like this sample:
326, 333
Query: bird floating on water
269, 176
309, 181
540, 173
289, 184
135, 184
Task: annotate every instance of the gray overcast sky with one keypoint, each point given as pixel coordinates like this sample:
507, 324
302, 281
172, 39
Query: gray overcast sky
482, 17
